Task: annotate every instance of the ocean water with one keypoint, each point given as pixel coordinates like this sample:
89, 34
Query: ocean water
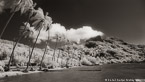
104, 73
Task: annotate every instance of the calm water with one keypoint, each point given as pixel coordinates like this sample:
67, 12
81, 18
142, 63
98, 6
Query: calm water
85, 74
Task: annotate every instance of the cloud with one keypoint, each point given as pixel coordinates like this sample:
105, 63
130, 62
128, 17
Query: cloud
73, 35
57, 30
83, 33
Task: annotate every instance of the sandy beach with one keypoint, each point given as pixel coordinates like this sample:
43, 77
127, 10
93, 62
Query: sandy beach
15, 73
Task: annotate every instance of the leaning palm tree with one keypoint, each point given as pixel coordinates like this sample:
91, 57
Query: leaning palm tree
43, 56
39, 16
33, 48
24, 34
39, 21
45, 50
17, 5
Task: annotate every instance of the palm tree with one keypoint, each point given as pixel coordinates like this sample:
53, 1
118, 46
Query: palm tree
62, 37
67, 47
58, 53
25, 34
33, 49
45, 50
43, 57
53, 57
58, 39
39, 21
21, 5
68, 44
39, 16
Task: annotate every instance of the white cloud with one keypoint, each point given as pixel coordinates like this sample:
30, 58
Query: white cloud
73, 35
83, 33
57, 30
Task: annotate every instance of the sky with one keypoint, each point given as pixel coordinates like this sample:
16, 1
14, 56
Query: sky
124, 19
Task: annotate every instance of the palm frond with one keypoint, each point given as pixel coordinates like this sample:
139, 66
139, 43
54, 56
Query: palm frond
39, 14
26, 30
39, 25
10, 3
16, 5
21, 5
48, 22
37, 20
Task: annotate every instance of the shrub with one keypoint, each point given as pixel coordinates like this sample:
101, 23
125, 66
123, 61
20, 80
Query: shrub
2, 63
3, 55
86, 62
112, 52
90, 44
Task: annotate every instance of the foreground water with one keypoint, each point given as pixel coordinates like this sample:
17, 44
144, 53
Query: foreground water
110, 73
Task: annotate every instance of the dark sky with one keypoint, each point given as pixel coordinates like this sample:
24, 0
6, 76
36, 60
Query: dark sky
120, 18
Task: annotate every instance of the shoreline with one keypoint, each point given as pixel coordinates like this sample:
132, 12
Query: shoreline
120, 71
18, 73
15, 73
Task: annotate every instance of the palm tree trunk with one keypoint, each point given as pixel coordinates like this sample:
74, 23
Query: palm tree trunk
58, 54
6, 25
32, 50
43, 57
53, 58
68, 47
68, 57
44, 51
68, 51
12, 54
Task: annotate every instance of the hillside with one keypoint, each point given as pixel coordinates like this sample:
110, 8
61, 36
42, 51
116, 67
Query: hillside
94, 51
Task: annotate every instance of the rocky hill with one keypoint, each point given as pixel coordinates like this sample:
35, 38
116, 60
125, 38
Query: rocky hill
94, 51
107, 51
